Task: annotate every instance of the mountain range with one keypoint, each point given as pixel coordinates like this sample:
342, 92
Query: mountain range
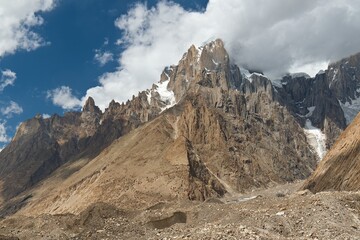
208, 129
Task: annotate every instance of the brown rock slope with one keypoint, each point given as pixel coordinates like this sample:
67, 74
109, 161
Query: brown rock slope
340, 169
42, 145
152, 163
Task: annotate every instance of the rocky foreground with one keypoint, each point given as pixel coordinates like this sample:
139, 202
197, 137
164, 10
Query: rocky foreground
275, 213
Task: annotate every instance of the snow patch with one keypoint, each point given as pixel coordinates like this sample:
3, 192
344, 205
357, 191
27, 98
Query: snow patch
199, 52
245, 73
315, 138
257, 74
46, 116
336, 71
253, 75
168, 97
277, 83
351, 109
148, 95
311, 111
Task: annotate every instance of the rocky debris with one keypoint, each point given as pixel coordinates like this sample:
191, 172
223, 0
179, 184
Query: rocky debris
327, 215
340, 169
176, 217
2, 237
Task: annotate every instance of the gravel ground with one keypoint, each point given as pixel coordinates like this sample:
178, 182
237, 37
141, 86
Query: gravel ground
275, 213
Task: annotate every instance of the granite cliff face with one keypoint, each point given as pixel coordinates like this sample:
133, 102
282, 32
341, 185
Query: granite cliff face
235, 123
313, 103
206, 129
343, 78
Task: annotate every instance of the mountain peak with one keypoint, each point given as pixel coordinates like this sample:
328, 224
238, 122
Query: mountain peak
214, 55
90, 106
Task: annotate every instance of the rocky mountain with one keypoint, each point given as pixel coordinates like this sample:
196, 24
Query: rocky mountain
313, 103
41, 145
206, 129
344, 81
340, 169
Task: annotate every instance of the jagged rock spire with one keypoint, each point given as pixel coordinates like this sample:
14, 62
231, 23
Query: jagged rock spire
90, 106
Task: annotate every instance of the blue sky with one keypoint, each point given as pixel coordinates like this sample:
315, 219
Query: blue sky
74, 32
56, 53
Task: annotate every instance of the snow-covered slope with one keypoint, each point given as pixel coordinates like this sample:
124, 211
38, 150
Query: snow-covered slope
316, 138
351, 109
166, 96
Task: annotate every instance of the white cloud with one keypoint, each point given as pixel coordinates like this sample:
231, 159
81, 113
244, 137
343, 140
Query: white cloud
7, 78
4, 138
103, 57
12, 108
271, 36
45, 115
106, 42
311, 68
17, 19
64, 98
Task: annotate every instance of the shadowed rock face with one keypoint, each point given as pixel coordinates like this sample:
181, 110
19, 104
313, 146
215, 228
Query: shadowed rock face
344, 78
235, 132
340, 169
301, 93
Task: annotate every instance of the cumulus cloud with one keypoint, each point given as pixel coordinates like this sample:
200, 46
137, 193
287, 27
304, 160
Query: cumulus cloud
64, 98
271, 36
103, 57
12, 108
8, 77
17, 20
4, 138
45, 115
